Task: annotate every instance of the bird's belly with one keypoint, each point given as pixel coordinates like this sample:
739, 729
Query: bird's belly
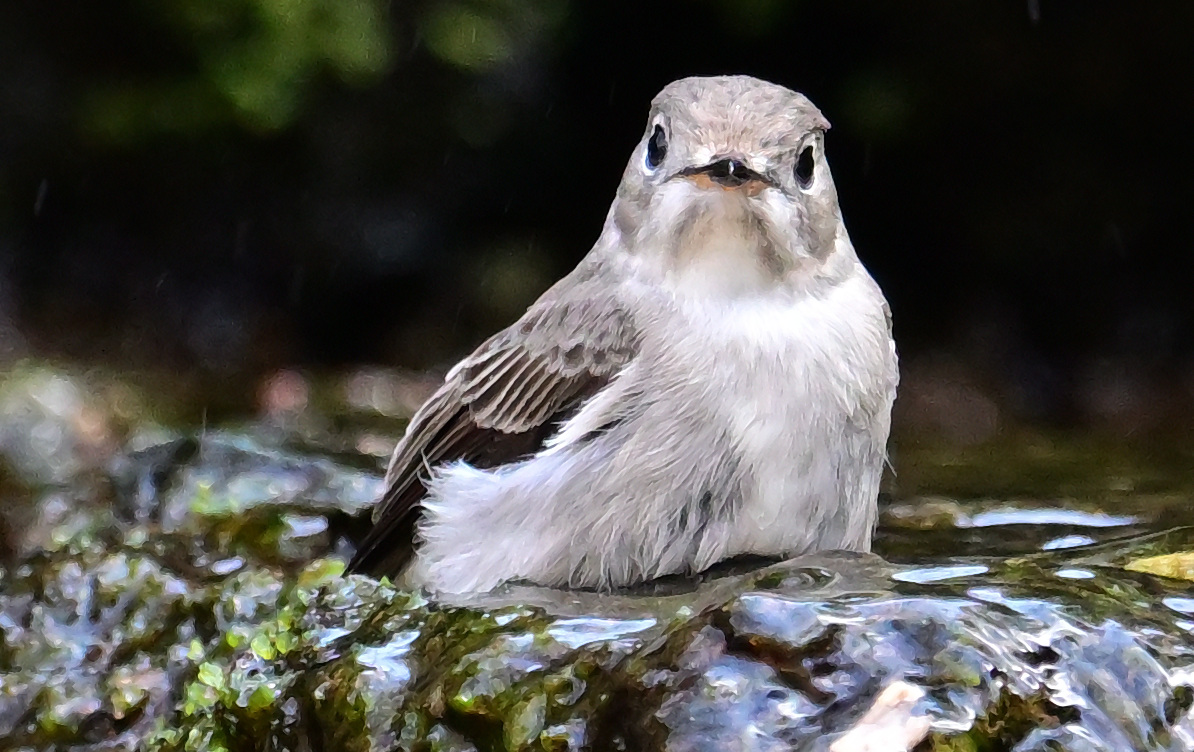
789, 449
789, 395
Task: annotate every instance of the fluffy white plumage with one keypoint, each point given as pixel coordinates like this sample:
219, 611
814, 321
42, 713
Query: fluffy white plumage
806, 444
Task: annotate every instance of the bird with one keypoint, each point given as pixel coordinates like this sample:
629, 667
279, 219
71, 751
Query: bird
714, 379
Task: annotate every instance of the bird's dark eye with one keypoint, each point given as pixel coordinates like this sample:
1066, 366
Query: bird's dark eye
804, 168
656, 148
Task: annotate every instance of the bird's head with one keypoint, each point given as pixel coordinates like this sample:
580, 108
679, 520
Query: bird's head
729, 191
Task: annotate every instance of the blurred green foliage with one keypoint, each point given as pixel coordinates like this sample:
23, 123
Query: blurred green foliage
229, 186
248, 62
483, 33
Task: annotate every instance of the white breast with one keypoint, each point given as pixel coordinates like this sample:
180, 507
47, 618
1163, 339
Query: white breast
796, 381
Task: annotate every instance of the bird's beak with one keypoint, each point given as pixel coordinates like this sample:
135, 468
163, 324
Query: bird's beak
728, 173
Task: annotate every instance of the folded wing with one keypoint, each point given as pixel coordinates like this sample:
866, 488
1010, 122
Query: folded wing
502, 403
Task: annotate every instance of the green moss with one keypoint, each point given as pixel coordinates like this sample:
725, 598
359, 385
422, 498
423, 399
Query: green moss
220, 621
1002, 727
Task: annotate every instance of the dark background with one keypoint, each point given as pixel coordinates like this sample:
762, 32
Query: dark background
223, 188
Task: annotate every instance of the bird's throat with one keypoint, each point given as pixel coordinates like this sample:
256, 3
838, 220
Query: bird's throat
720, 248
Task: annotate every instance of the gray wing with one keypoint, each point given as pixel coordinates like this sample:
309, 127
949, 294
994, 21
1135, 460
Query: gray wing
502, 402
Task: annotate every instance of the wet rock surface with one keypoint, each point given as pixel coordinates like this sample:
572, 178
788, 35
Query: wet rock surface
183, 591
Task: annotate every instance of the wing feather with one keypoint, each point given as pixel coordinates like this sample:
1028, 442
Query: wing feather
502, 402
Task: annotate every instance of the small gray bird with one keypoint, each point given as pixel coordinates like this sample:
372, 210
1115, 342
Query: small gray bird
714, 379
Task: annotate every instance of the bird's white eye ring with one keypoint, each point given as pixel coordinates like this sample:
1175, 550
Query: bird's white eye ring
805, 168
656, 148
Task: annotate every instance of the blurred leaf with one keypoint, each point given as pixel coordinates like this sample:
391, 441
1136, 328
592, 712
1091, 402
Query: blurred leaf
1179, 566
261, 645
465, 37
254, 62
320, 572
211, 675
480, 34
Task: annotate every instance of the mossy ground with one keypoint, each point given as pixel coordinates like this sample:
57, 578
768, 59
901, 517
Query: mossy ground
174, 591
